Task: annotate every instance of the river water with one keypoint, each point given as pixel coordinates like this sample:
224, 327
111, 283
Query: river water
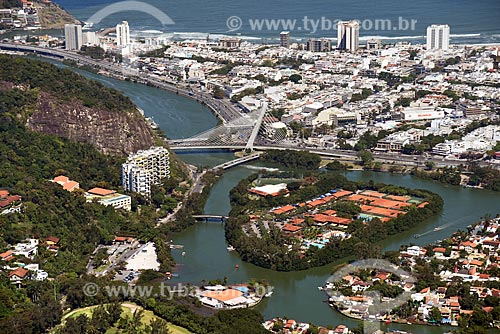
295, 294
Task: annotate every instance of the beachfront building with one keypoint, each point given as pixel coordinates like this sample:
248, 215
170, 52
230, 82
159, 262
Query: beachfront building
285, 39
348, 35
318, 45
73, 36
109, 197
145, 168
122, 34
438, 37
230, 43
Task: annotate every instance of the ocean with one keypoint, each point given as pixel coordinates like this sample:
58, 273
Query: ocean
471, 21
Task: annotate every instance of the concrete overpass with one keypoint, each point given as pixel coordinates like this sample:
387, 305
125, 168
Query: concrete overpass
236, 162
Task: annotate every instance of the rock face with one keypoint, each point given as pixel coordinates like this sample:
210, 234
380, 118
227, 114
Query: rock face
111, 132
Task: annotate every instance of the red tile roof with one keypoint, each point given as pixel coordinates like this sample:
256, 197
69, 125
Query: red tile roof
101, 191
291, 228
52, 239
7, 256
19, 272
283, 209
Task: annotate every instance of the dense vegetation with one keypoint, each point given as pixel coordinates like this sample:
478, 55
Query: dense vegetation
61, 83
302, 160
11, 4
271, 250
486, 177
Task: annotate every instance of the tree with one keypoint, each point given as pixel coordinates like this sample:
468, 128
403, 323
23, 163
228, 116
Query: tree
218, 93
430, 165
366, 157
159, 326
435, 315
295, 78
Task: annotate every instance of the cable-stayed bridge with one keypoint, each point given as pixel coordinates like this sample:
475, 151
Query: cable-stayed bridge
243, 132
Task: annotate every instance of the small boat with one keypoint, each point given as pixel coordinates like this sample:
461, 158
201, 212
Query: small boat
320, 288
237, 266
439, 228
269, 294
230, 248
416, 236
183, 253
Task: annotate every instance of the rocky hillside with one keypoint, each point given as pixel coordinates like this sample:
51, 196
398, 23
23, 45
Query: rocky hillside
110, 132
62, 103
54, 17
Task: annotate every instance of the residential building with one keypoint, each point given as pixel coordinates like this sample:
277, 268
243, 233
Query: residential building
438, 37
17, 275
470, 108
28, 249
90, 38
109, 197
285, 39
7, 256
318, 45
66, 183
348, 35
122, 34
144, 169
230, 43
73, 36
373, 44
8, 202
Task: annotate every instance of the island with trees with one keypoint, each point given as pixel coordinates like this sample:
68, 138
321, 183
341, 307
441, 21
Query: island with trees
305, 217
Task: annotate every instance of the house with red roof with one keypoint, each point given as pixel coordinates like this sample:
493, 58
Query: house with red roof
290, 229
17, 275
8, 202
66, 183
7, 256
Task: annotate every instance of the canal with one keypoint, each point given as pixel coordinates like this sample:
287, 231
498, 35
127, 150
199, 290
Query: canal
295, 294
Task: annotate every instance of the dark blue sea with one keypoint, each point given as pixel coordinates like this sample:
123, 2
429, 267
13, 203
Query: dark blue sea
471, 21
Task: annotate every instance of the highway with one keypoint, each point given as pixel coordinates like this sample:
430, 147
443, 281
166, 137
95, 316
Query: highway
397, 159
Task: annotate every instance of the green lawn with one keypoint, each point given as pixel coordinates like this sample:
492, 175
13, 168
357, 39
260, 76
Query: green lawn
128, 309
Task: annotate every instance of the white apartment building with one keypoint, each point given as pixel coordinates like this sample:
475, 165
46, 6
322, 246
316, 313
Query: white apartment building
438, 37
348, 35
73, 36
90, 38
122, 34
145, 168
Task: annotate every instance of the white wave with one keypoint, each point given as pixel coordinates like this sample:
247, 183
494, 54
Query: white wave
364, 38
150, 31
465, 35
